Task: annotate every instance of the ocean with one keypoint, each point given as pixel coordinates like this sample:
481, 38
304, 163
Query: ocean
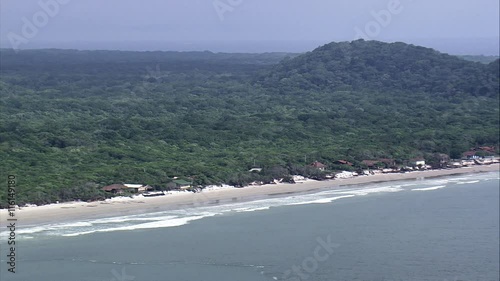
433, 229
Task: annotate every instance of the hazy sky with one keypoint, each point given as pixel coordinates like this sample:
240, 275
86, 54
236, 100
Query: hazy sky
146, 23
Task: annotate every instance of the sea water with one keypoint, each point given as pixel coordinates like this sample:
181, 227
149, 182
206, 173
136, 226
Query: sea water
430, 229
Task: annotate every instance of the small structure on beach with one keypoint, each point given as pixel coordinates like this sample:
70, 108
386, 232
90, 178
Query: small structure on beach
180, 184
417, 162
318, 165
138, 187
342, 162
115, 188
133, 188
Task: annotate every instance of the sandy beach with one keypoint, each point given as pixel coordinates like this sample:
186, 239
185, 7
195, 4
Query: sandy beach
76, 211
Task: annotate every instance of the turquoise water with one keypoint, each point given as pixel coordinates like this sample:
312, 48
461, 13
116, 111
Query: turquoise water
435, 229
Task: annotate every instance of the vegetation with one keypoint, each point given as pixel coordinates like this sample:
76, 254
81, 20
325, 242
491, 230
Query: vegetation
481, 59
74, 121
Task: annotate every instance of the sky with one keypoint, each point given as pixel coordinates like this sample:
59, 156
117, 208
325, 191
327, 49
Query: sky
454, 26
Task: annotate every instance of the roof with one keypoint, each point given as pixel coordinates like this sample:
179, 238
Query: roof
344, 162
182, 182
133, 185
114, 187
487, 148
317, 164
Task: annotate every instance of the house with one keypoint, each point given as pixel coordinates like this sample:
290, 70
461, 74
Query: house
115, 188
342, 162
417, 162
133, 188
490, 149
318, 165
138, 187
182, 184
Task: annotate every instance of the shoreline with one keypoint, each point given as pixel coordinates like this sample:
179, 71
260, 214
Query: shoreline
122, 206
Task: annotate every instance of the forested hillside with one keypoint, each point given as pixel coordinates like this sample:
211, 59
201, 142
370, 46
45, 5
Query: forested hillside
481, 59
385, 67
73, 121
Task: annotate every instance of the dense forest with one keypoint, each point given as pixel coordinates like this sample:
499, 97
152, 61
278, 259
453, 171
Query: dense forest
481, 58
74, 121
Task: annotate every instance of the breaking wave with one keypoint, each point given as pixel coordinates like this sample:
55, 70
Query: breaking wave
176, 218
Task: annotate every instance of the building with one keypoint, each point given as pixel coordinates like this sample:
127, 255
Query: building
133, 188
182, 184
138, 187
342, 162
115, 188
418, 162
318, 165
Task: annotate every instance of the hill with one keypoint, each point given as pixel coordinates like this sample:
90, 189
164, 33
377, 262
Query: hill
481, 58
382, 66
74, 121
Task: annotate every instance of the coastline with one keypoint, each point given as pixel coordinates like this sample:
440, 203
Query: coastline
120, 206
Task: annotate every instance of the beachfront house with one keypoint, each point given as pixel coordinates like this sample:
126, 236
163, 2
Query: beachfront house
138, 188
342, 162
181, 184
318, 165
115, 188
133, 188
417, 162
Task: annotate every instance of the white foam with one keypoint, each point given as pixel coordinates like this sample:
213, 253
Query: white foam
31, 230
366, 191
149, 225
241, 210
180, 217
35, 229
322, 200
429, 188
472, 181
73, 224
149, 217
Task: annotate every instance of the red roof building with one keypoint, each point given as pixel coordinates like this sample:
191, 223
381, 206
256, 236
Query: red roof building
343, 162
318, 165
114, 188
